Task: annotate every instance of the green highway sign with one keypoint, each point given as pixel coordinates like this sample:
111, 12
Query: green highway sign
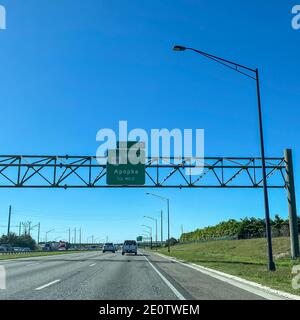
126, 164
140, 238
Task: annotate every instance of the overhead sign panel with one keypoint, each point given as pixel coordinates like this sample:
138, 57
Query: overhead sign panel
126, 164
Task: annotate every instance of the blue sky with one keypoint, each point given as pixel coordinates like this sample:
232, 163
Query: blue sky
69, 68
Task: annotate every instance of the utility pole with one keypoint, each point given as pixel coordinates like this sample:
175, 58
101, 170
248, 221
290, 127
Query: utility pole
80, 236
69, 235
182, 229
20, 228
75, 236
9, 218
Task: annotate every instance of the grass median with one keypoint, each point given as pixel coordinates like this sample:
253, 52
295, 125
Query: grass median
38, 254
243, 258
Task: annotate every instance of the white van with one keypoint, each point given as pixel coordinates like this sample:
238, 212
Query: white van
129, 246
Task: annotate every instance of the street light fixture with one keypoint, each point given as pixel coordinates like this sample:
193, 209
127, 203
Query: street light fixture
253, 74
153, 219
143, 225
39, 229
150, 232
179, 48
87, 239
168, 208
47, 234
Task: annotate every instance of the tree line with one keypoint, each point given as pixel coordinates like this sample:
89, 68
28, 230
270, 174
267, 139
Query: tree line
23, 241
244, 229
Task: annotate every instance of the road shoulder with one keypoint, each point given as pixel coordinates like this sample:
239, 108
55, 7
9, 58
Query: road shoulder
250, 286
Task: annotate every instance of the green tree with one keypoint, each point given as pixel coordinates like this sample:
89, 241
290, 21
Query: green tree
18, 241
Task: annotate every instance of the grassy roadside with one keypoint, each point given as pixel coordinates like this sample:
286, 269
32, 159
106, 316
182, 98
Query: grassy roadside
36, 254
242, 258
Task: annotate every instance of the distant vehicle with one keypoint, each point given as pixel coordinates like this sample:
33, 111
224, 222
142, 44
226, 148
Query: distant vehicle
51, 246
17, 249
129, 246
6, 248
26, 249
109, 247
62, 246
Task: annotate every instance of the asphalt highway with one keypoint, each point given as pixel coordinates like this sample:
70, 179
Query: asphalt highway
100, 276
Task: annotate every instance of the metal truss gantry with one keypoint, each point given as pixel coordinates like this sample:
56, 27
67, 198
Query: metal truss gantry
32, 171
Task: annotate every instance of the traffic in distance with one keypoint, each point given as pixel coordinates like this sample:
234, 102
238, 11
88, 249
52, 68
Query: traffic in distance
129, 246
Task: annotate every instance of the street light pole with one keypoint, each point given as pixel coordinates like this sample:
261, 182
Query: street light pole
271, 265
154, 219
168, 201
39, 230
161, 227
47, 234
143, 225
255, 76
168, 210
147, 235
9, 218
80, 236
38, 226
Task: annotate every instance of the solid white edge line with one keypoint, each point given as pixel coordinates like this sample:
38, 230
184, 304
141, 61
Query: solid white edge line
250, 286
167, 282
47, 284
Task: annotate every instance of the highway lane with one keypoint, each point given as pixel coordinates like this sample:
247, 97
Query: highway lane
97, 276
88, 275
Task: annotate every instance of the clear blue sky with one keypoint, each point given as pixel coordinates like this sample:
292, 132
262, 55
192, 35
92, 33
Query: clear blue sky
71, 67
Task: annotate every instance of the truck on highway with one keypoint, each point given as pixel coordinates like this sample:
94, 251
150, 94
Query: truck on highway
63, 245
129, 246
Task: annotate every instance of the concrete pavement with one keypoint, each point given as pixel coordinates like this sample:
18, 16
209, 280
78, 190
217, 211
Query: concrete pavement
97, 276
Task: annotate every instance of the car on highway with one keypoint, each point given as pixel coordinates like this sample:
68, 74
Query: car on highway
129, 246
108, 247
6, 248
